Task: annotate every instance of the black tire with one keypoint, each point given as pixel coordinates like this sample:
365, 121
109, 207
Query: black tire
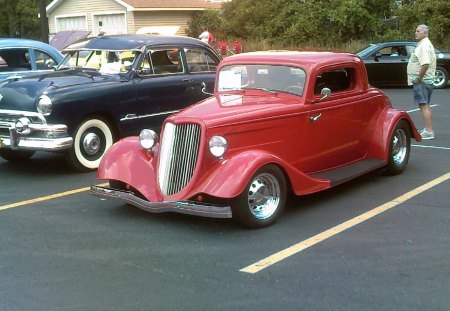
441, 78
16, 155
263, 199
91, 140
399, 149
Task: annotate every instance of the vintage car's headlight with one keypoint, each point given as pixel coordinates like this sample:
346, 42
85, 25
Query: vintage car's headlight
218, 145
148, 138
22, 126
44, 105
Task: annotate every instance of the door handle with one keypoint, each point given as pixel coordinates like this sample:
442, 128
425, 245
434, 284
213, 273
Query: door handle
190, 80
315, 118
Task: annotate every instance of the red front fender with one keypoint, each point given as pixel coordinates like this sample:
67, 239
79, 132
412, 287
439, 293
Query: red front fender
128, 162
230, 177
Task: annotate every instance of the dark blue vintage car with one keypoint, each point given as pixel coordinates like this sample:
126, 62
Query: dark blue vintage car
105, 88
386, 63
23, 57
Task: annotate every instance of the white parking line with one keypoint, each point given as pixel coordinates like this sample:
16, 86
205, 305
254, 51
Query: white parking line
431, 147
296, 248
418, 109
46, 198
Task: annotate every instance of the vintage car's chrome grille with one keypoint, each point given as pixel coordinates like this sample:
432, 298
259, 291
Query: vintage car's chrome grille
179, 153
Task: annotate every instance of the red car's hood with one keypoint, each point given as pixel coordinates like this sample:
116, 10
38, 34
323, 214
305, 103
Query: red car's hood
229, 107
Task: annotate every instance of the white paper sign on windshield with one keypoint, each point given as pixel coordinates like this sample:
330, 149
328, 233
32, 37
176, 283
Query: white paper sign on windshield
230, 80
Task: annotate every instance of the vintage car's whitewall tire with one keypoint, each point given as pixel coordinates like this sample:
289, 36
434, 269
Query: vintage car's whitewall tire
92, 138
263, 199
399, 149
16, 155
441, 78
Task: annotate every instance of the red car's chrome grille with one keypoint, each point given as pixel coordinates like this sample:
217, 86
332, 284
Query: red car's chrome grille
179, 153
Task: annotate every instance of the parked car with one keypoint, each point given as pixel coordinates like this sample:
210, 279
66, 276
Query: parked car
23, 57
279, 122
386, 63
104, 89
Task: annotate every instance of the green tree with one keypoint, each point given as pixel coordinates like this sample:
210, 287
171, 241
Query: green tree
19, 18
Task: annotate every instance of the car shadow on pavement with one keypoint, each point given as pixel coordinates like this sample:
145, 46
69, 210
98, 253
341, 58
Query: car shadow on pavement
49, 164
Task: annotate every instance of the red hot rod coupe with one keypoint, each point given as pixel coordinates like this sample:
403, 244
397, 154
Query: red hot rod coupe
278, 122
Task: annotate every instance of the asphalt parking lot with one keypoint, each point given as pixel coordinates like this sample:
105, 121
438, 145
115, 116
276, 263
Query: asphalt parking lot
376, 243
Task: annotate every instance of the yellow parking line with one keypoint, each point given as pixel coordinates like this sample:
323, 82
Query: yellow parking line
46, 198
281, 255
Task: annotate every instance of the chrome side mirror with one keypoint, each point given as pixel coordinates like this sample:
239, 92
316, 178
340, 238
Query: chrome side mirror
325, 92
204, 89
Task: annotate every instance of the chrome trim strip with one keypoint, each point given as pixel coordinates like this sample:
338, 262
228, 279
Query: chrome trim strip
183, 207
133, 116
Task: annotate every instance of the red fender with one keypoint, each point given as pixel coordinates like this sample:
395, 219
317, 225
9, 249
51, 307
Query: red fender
229, 177
379, 147
128, 162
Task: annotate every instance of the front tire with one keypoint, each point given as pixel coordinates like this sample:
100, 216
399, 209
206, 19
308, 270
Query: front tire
441, 78
16, 155
399, 149
263, 199
92, 138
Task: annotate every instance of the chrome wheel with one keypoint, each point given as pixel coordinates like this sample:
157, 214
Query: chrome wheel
264, 196
440, 78
399, 146
262, 200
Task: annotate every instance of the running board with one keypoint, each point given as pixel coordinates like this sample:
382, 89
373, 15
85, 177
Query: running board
345, 173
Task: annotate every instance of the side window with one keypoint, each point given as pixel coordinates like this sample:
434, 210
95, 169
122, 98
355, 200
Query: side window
336, 80
15, 59
200, 60
158, 62
43, 60
410, 49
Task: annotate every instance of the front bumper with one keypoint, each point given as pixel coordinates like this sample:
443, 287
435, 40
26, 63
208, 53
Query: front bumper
40, 136
183, 207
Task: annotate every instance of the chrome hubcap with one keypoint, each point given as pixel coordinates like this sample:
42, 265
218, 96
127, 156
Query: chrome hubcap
399, 147
91, 143
264, 196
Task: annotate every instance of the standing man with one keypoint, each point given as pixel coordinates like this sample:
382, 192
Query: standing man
421, 69
204, 36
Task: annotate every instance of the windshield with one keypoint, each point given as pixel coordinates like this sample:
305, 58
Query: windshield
106, 62
367, 50
274, 78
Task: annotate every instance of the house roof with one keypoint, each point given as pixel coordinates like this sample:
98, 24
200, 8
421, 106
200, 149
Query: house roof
159, 5
166, 4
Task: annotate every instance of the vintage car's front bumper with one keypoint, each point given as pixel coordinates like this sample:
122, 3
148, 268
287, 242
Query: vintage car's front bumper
183, 207
36, 134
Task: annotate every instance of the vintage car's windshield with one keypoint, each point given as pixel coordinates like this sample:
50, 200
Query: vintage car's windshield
106, 62
273, 78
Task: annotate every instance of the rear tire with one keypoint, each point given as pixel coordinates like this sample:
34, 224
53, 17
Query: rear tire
263, 199
399, 149
441, 78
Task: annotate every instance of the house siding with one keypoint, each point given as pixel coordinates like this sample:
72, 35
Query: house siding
87, 8
160, 18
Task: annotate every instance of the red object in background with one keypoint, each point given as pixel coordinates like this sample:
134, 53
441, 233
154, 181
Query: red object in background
223, 48
237, 47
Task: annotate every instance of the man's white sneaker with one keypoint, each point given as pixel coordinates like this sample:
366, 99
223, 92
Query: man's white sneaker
426, 134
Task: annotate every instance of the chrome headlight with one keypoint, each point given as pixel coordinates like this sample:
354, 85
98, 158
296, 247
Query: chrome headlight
148, 138
22, 126
44, 105
218, 145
